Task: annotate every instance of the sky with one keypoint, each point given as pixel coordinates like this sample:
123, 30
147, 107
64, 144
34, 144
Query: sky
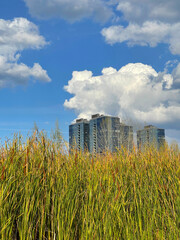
66, 59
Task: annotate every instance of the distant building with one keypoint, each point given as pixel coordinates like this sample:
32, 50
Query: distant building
126, 136
150, 136
104, 133
101, 133
79, 135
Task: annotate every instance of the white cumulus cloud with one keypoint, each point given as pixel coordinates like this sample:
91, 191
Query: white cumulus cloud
176, 74
135, 91
149, 33
149, 23
71, 10
15, 36
140, 11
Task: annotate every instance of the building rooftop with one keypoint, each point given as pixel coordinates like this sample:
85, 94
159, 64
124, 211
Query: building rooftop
101, 115
96, 115
149, 126
81, 120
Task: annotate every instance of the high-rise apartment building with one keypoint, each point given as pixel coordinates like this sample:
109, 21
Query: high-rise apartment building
150, 136
104, 133
79, 135
126, 136
101, 133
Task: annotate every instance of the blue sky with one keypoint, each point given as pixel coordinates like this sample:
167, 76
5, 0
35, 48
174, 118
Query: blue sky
64, 59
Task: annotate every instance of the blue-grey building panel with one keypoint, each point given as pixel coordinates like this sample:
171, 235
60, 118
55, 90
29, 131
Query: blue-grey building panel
100, 134
108, 134
150, 136
79, 136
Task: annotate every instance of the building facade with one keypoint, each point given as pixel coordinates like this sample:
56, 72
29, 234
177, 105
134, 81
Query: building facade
101, 133
150, 136
104, 133
126, 137
79, 135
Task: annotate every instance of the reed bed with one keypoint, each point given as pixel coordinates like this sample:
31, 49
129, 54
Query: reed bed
48, 194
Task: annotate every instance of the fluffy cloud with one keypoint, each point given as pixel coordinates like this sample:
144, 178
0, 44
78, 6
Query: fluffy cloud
135, 91
149, 23
149, 33
12, 73
176, 74
140, 11
15, 36
71, 10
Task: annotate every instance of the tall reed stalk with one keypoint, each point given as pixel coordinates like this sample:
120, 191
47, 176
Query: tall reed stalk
48, 194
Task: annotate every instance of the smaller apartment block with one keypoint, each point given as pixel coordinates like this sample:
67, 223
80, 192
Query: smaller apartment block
79, 135
150, 136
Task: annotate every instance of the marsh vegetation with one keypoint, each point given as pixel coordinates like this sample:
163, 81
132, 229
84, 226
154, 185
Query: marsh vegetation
45, 193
